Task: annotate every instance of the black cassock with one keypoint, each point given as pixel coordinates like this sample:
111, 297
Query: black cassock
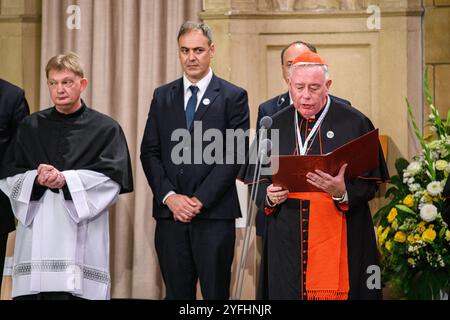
283, 252
86, 139
446, 209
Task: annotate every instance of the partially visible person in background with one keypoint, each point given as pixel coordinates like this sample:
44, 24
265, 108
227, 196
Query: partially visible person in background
446, 195
13, 108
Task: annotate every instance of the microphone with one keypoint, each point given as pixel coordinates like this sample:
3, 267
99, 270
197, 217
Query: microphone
265, 147
265, 122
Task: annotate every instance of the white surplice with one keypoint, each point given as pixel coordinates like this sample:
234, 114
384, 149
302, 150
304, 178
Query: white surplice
62, 245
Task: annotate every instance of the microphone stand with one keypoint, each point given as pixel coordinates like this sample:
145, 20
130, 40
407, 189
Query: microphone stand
250, 214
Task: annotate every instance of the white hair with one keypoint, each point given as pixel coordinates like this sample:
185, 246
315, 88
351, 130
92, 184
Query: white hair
324, 67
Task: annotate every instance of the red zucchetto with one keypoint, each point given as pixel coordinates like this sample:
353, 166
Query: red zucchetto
309, 58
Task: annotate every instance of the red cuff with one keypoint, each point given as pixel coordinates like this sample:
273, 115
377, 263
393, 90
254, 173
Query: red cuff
268, 211
343, 206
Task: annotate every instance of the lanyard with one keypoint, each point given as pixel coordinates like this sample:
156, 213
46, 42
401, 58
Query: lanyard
303, 147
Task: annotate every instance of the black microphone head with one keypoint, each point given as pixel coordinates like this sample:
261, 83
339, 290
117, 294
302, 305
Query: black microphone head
265, 122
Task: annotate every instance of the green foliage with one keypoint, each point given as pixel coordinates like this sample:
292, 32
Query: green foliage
413, 240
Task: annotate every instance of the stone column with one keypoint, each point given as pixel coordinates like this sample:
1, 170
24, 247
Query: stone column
437, 52
20, 46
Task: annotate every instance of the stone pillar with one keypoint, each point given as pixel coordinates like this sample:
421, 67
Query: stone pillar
20, 46
20, 51
437, 52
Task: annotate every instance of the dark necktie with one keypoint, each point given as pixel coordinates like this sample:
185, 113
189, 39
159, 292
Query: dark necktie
190, 108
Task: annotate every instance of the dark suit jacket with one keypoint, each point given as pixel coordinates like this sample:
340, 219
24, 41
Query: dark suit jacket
213, 184
270, 108
446, 209
13, 108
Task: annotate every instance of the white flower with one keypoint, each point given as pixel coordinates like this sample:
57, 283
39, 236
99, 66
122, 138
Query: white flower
414, 187
448, 168
428, 212
443, 150
414, 168
411, 180
434, 144
434, 188
441, 165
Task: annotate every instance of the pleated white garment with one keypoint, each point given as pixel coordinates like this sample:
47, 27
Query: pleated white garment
62, 245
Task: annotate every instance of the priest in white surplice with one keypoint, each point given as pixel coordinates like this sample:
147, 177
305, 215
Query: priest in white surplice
65, 168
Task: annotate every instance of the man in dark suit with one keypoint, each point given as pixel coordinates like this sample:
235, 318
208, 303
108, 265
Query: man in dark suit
13, 108
277, 103
195, 203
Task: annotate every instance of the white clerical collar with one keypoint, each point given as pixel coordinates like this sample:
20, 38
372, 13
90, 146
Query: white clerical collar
201, 85
303, 146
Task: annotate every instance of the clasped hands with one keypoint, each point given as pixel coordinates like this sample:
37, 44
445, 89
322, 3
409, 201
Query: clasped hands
184, 208
49, 176
321, 180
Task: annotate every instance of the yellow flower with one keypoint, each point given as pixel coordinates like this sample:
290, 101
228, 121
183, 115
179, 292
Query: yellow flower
381, 238
411, 239
388, 245
392, 214
417, 237
441, 165
411, 261
379, 230
385, 233
421, 227
400, 237
429, 235
409, 201
427, 136
447, 235
394, 224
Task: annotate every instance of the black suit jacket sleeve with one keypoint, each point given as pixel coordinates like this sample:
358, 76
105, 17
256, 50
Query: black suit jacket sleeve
21, 110
261, 114
360, 192
13, 108
222, 176
151, 156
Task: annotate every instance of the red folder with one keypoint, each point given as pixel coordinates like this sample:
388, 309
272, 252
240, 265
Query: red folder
361, 155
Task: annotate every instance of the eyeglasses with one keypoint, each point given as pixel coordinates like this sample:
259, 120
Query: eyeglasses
65, 83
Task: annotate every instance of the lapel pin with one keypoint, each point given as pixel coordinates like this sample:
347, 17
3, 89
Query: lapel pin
206, 101
330, 134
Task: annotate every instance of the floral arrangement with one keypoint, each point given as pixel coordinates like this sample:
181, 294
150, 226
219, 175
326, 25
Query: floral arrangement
413, 239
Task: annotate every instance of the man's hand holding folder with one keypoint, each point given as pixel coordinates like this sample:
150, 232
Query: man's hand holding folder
299, 173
